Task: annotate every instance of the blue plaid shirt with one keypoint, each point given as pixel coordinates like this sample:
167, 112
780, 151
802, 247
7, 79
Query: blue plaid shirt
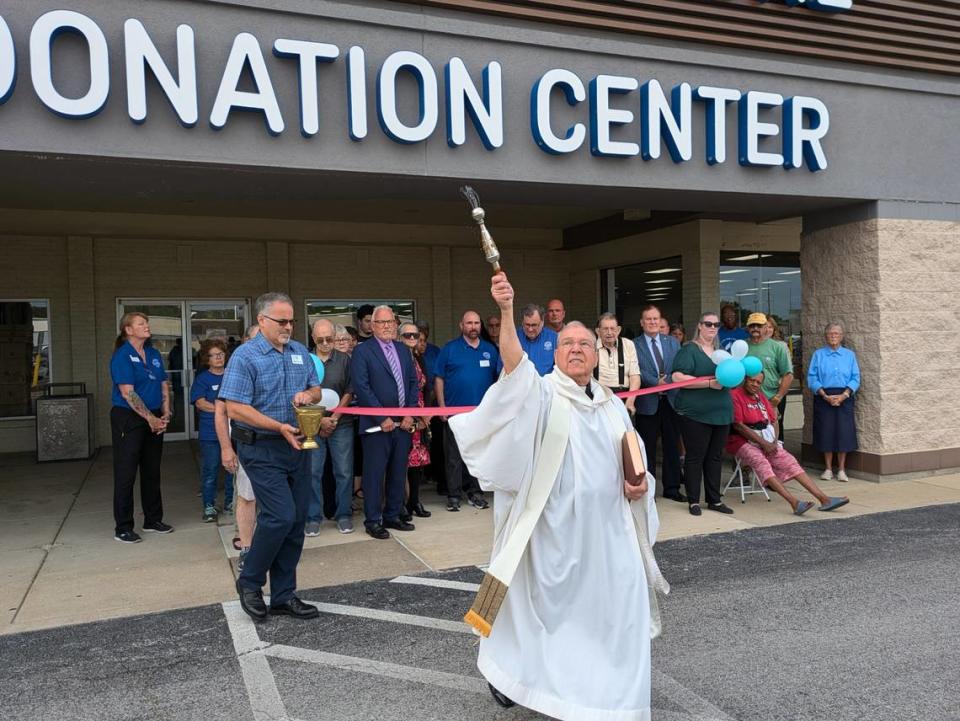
263, 377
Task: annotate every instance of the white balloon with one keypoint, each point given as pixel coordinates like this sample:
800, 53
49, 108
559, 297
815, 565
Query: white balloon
719, 356
739, 349
329, 398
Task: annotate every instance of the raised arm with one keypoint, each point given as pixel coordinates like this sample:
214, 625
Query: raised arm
510, 351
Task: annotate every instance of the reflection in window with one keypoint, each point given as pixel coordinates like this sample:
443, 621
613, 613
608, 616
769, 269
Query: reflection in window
24, 354
768, 283
633, 286
344, 312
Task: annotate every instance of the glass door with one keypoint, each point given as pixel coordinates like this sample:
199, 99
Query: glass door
177, 328
224, 319
167, 331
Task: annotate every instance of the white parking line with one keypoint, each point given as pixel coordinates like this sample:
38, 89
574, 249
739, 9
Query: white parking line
393, 617
437, 583
267, 705
265, 701
380, 668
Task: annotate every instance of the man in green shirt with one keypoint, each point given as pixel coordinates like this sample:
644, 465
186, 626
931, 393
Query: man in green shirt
775, 356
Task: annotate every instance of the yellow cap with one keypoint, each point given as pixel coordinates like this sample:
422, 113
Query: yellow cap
758, 318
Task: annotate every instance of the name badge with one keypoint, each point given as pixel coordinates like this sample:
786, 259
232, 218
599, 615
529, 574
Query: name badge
134, 359
484, 364
297, 360
216, 387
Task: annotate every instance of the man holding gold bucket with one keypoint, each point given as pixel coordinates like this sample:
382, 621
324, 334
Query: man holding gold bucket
269, 387
567, 608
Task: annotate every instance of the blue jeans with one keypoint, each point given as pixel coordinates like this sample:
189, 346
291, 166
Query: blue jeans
209, 470
340, 447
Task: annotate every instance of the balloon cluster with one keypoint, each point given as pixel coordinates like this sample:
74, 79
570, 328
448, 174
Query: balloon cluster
736, 365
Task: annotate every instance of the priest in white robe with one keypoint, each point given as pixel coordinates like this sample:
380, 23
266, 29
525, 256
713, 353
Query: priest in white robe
572, 637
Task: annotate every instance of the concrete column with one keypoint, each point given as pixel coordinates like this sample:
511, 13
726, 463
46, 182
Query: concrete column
83, 358
278, 268
442, 324
892, 283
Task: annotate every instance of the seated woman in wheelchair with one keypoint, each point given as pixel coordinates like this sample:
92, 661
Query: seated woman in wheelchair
753, 441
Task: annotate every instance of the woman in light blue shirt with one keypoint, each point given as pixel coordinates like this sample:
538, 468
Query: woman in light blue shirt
834, 378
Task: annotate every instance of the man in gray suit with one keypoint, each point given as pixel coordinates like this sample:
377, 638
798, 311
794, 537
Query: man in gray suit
655, 415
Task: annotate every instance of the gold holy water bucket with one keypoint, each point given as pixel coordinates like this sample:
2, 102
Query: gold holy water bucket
308, 419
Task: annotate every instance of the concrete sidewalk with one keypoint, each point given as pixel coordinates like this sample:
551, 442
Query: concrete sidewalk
60, 565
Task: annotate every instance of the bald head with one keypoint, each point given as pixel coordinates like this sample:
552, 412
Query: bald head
555, 314
324, 334
470, 326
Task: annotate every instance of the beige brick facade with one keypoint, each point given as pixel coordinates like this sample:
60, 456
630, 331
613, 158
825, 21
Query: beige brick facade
892, 283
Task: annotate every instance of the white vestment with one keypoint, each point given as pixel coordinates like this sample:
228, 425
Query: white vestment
572, 639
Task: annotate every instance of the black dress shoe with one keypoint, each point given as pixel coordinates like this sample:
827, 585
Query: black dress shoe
252, 602
296, 608
678, 497
406, 517
398, 525
695, 509
499, 697
420, 512
719, 508
378, 532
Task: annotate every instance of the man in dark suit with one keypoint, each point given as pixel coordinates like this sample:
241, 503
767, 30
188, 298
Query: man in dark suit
655, 415
383, 376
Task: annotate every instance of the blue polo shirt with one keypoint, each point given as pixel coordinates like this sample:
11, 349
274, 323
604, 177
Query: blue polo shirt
728, 337
430, 356
207, 386
267, 379
467, 372
540, 349
147, 378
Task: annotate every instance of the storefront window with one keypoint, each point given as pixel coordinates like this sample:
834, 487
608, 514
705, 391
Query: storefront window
24, 355
344, 312
767, 283
625, 290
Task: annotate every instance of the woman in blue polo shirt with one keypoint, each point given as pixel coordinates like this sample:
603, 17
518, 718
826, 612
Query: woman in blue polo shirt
140, 414
203, 395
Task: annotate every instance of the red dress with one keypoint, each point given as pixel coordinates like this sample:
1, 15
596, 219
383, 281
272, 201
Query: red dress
420, 451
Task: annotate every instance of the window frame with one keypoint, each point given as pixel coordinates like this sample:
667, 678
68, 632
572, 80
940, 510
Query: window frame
49, 346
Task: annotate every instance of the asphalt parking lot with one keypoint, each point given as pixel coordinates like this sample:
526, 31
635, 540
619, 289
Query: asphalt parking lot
820, 621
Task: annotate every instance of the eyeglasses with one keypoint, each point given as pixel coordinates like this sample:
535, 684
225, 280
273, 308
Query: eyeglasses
384, 322
410, 336
755, 325
583, 345
216, 355
710, 324
282, 321
325, 341
345, 339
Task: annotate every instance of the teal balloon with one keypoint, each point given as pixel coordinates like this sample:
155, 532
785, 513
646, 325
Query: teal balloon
751, 365
730, 373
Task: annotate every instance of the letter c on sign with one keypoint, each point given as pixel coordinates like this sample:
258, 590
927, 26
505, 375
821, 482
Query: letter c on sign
8, 62
45, 31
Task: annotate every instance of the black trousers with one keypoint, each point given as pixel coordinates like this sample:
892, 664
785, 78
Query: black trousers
459, 479
438, 471
384, 474
135, 447
664, 424
414, 479
704, 444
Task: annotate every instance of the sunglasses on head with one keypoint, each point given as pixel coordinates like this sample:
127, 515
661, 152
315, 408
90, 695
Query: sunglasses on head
710, 324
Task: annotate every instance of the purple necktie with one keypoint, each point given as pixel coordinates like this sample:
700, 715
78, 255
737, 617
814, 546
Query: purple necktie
391, 353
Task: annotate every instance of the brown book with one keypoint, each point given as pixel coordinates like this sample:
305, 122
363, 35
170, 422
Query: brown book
633, 468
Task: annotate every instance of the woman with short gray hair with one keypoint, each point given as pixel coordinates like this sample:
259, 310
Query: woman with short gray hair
834, 378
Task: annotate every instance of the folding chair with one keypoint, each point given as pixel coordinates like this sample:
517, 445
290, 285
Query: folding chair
745, 490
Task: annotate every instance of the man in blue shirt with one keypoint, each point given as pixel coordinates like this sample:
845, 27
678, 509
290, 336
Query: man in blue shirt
264, 380
729, 332
467, 366
537, 342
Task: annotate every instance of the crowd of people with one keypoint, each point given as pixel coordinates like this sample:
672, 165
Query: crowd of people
247, 425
